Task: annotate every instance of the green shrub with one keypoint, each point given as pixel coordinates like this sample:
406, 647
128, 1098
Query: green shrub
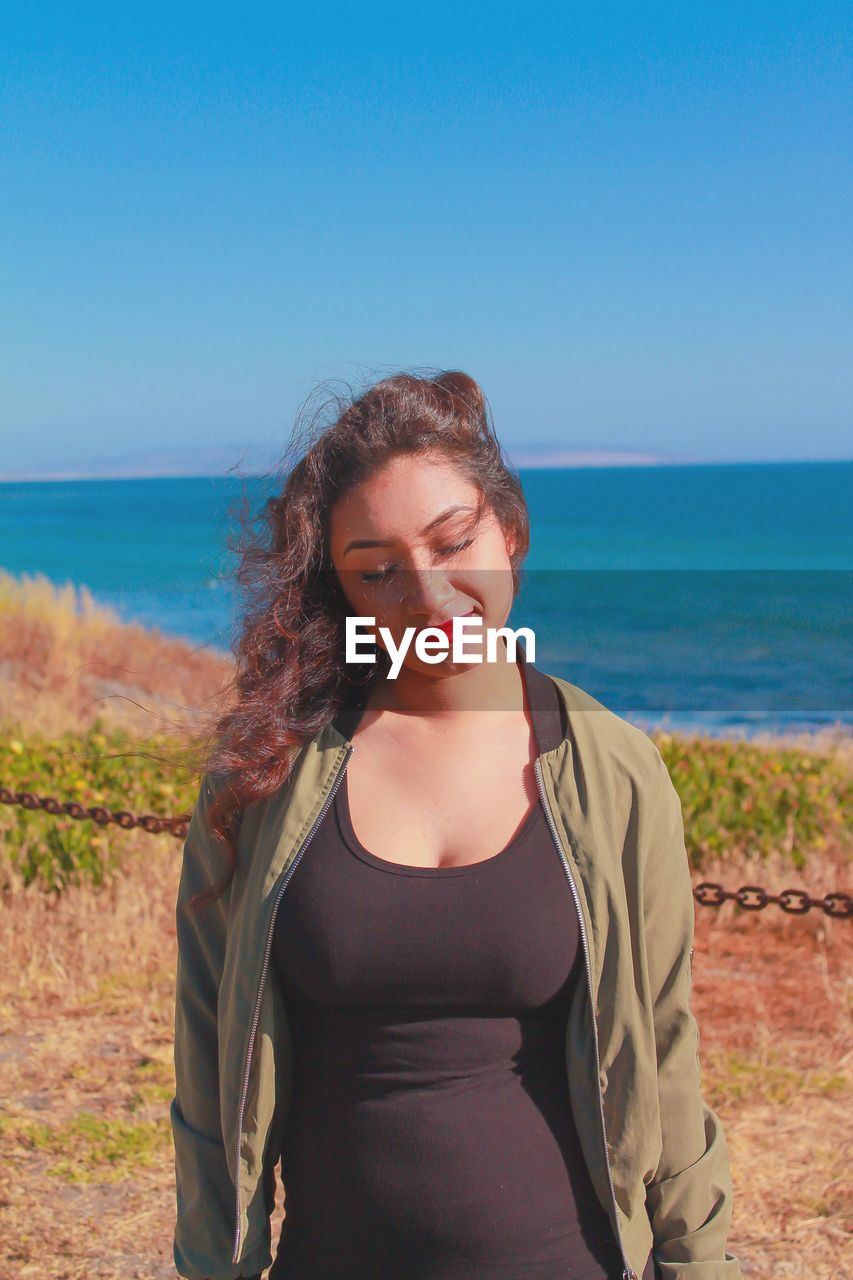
740, 798
737, 798
112, 770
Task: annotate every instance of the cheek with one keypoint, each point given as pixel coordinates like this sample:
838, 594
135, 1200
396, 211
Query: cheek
363, 598
371, 602
389, 613
495, 587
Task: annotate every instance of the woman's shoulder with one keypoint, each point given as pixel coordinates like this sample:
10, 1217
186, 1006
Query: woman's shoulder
599, 737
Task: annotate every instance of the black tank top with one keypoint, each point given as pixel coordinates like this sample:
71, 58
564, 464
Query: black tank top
430, 1135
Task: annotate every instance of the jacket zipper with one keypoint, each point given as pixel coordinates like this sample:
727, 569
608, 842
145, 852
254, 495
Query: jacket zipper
267, 952
628, 1272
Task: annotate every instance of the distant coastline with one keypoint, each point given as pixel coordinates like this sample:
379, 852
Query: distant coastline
256, 460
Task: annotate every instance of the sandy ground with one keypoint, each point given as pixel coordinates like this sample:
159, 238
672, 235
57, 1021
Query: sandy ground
86, 1019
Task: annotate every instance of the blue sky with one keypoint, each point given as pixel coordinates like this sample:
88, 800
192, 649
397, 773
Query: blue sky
631, 225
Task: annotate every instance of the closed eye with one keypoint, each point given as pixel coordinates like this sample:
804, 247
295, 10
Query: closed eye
379, 576
445, 552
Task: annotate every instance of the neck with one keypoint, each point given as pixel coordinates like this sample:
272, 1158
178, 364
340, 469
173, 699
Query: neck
445, 697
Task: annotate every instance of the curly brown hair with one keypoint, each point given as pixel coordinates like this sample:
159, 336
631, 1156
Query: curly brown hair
290, 679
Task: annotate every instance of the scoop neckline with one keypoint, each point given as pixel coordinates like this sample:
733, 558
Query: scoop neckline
353, 843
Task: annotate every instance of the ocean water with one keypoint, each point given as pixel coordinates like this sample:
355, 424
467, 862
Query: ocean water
714, 597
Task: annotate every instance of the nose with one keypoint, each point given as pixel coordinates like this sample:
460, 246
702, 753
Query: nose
428, 592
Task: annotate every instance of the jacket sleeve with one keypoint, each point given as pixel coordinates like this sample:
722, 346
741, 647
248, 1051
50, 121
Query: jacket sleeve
206, 1198
689, 1198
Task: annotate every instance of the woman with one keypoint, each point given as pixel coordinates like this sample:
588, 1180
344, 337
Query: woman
434, 932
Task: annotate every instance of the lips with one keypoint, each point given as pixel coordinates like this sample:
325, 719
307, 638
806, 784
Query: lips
447, 627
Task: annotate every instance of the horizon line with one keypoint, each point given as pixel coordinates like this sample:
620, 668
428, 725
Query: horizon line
525, 464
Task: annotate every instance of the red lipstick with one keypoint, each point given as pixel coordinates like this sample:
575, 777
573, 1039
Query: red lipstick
447, 626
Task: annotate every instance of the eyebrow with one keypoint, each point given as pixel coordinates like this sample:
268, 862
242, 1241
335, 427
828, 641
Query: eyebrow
387, 542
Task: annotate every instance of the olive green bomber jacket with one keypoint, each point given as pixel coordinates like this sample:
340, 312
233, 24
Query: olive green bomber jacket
655, 1150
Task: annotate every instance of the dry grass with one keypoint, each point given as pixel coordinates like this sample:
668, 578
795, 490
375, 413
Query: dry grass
65, 661
86, 1010
773, 1000
86, 1004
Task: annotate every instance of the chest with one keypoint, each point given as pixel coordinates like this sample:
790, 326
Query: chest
354, 930
441, 806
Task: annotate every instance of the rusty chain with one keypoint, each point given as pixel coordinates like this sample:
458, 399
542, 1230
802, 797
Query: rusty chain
97, 813
708, 894
753, 898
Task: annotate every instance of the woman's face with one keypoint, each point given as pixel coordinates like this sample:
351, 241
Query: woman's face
407, 552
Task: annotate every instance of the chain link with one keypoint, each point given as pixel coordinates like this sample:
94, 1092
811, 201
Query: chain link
751, 897
97, 813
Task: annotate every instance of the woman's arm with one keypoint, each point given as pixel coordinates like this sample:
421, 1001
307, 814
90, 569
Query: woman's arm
689, 1199
205, 1192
